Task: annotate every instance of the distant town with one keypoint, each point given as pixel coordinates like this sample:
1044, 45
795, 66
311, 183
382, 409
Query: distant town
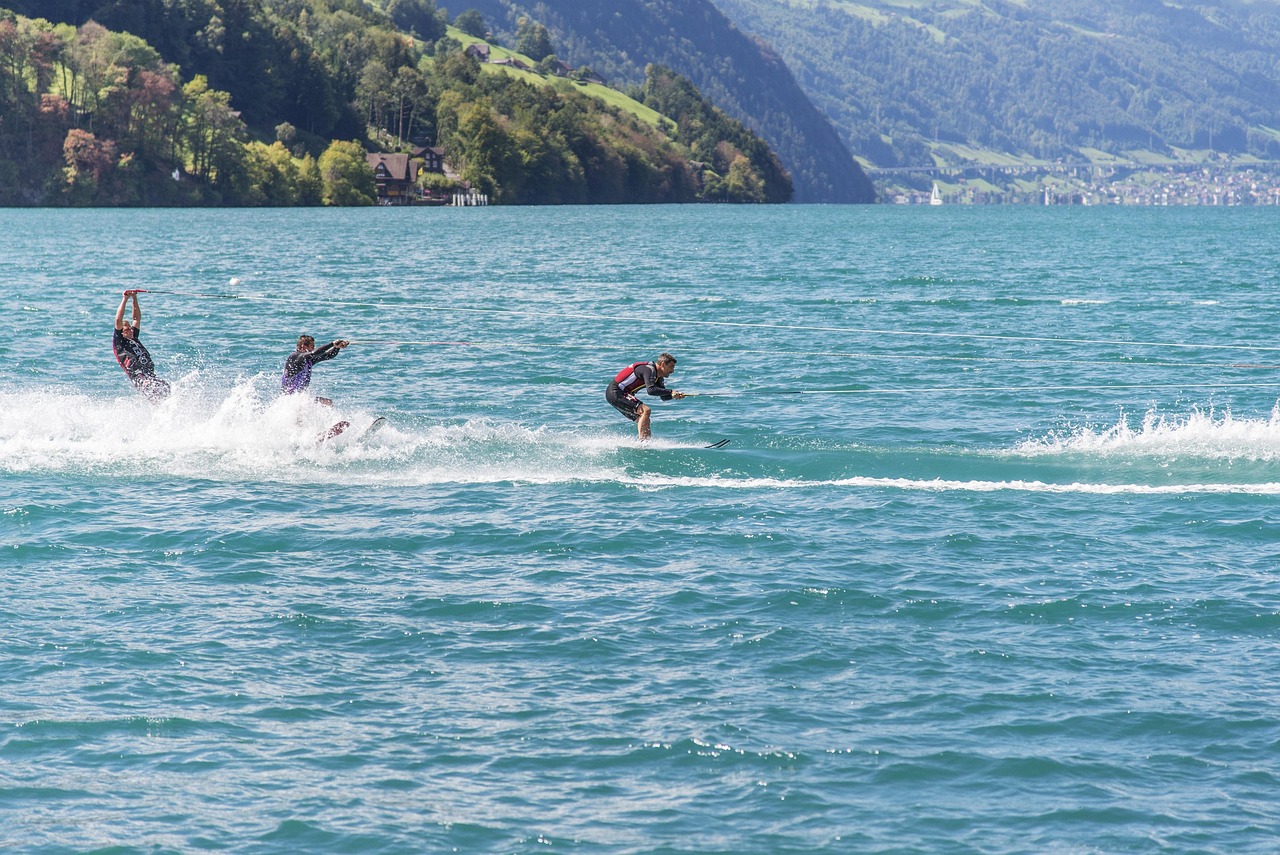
1214, 183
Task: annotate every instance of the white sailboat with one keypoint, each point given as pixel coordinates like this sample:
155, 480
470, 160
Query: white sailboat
935, 198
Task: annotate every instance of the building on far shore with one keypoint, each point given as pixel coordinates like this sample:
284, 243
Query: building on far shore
396, 176
1218, 183
432, 158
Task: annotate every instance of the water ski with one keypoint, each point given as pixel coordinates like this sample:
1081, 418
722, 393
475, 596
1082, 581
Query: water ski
718, 444
333, 431
377, 425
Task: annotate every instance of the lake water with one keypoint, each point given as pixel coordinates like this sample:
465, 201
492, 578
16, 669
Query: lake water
991, 562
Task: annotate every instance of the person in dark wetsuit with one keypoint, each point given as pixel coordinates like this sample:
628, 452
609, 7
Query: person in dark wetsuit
297, 368
650, 375
132, 355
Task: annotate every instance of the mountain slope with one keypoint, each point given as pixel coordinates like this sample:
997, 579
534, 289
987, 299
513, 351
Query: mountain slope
93, 116
1047, 79
741, 76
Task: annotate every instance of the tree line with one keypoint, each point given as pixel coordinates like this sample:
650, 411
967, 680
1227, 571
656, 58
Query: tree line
274, 102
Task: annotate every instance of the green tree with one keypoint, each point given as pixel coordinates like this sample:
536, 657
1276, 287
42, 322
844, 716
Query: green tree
437, 184
253, 184
153, 114
412, 101
372, 92
743, 183
454, 69
471, 22
419, 17
533, 40
310, 182
212, 133
272, 175
347, 178
480, 146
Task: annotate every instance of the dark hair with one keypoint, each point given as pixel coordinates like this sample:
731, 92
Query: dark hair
306, 340
666, 357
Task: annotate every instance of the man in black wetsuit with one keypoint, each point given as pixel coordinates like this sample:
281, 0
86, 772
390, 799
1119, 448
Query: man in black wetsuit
650, 375
132, 356
297, 368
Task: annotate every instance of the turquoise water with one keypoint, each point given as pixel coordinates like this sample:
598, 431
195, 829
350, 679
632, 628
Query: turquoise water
990, 563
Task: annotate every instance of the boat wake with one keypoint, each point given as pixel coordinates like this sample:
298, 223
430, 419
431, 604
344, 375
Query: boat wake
1207, 436
250, 434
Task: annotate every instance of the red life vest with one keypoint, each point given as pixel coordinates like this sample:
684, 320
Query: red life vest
629, 380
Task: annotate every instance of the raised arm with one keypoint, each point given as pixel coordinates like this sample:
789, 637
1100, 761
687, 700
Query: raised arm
137, 310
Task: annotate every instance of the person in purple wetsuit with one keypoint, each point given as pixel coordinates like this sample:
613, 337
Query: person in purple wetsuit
297, 368
133, 357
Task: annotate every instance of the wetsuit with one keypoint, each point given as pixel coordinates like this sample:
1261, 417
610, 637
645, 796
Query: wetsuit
297, 368
138, 367
621, 391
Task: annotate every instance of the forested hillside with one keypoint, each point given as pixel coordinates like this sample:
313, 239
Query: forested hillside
1047, 79
740, 75
274, 102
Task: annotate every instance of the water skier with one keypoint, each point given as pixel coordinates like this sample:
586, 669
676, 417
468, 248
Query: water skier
297, 368
650, 375
132, 355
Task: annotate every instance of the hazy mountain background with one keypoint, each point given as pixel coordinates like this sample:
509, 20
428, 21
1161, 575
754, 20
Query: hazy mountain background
741, 75
919, 82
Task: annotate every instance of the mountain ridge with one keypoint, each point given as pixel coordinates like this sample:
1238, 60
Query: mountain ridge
1044, 81
740, 74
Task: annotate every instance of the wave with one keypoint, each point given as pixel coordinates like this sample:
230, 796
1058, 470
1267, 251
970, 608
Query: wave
1199, 435
251, 434
939, 485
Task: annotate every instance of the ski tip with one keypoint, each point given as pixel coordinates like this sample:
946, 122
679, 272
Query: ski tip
718, 444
